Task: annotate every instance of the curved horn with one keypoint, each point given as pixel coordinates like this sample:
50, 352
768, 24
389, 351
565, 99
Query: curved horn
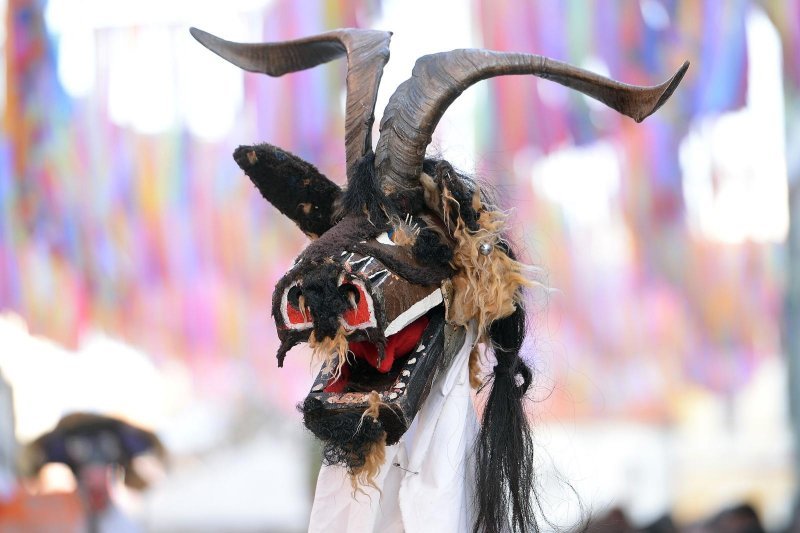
437, 80
367, 52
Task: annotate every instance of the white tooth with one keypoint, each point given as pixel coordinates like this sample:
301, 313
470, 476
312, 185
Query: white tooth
400, 386
317, 387
392, 396
301, 301
411, 361
379, 282
414, 312
421, 347
405, 373
364, 268
378, 273
352, 298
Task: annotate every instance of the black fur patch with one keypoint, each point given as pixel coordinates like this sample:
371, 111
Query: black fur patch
325, 298
363, 193
296, 188
429, 248
409, 201
346, 437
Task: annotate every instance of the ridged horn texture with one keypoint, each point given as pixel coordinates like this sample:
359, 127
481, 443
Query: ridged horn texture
367, 52
437, 80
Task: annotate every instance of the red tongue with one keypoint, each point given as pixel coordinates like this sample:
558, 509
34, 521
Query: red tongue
398, 345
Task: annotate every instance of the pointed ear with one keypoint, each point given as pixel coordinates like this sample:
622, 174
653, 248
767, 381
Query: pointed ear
292, 185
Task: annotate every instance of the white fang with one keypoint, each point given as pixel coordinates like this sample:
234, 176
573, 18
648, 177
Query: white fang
414, 312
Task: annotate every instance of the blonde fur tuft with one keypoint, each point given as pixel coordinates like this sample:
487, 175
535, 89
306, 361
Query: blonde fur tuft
332, 352
433, 198
404, 232
376, 456
486, 287
475, 380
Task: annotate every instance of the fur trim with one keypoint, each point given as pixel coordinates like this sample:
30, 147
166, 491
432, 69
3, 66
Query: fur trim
405, 232
376, 455
332, 352
433, 198
485, 287
475, 380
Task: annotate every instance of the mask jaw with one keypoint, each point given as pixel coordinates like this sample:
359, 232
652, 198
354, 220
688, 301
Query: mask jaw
401, 398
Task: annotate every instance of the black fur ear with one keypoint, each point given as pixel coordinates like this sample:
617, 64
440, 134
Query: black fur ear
294, 186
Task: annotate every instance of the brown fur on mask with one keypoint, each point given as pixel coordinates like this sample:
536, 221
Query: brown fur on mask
332, 352
485, 287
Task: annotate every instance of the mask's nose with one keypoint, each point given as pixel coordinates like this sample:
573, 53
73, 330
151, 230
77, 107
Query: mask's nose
326, 300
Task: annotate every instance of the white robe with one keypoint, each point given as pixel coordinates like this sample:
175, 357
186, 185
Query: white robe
427, 481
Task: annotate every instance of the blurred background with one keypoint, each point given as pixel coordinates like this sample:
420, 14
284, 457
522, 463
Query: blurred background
137, 262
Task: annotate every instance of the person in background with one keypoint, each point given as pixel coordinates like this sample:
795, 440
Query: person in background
96, 449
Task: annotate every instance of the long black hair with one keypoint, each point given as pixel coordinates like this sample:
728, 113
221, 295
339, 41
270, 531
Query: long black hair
504, 495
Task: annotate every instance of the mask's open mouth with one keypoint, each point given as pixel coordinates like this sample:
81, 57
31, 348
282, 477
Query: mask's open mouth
402, 380
365, 371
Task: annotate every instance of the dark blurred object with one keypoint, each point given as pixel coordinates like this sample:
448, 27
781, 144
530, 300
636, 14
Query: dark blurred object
662, 525
93, 447
81, 440
614, 521
739, 519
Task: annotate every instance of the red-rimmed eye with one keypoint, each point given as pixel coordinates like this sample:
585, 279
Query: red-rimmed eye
361, 314
296, 314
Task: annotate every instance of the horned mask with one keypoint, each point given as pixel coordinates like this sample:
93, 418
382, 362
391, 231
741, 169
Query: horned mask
407, 255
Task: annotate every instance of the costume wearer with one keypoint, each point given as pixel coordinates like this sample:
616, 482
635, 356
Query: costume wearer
408, 270
89, 444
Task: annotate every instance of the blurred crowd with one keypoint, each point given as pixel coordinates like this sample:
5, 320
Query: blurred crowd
741, 518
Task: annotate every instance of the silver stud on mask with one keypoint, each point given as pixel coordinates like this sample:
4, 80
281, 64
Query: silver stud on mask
485, 248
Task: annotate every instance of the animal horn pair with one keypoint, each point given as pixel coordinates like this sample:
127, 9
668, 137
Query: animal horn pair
418, 103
